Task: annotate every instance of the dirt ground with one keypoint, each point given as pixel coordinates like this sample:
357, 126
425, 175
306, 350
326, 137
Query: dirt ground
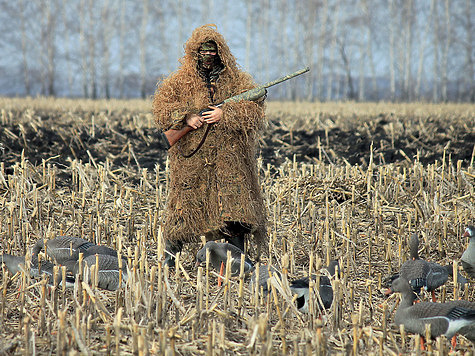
335, 139
349, 181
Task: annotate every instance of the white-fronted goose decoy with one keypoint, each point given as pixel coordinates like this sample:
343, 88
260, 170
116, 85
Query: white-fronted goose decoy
421, 273
265, 273
16, 264
63, 249
301, 288
446, 319
13, 263
218, 254
101, 250
468, 256
108, 272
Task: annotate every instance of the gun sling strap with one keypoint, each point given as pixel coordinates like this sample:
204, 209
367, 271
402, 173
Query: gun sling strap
203, 139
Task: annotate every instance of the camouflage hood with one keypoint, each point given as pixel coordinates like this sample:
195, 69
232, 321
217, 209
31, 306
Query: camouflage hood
204, 34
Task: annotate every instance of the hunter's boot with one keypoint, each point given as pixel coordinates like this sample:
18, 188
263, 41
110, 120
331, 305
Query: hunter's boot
235, 233
171, 249
236, 240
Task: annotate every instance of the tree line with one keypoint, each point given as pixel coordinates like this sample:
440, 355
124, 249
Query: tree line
364, 50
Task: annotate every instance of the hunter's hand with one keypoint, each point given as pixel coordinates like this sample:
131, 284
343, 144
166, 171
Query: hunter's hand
194, 121
212, 116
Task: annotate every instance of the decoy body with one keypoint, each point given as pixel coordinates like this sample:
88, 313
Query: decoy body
301, 288
265, 273
13, 263
421, 273
444, 318
17, 263
108, 271
218, 254
468, 257
63, 249
101, 250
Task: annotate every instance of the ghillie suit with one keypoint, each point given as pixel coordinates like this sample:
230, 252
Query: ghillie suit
216, 191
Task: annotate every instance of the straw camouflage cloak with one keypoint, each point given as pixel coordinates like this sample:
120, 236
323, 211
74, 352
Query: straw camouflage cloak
220, 182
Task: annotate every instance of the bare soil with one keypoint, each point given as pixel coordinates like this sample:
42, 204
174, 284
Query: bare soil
350, 140
345, 181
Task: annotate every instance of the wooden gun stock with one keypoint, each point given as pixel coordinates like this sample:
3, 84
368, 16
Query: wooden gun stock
170, 137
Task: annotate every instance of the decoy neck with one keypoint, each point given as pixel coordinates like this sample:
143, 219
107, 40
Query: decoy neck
402, 286
414, 247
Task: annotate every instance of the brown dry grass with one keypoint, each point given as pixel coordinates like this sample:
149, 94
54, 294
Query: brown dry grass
360, 215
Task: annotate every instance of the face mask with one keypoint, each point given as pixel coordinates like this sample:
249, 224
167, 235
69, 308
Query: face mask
208, 55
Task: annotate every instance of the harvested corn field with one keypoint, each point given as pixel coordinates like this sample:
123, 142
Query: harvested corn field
341, 181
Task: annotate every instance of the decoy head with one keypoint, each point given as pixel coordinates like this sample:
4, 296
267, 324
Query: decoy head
333, 267
401, 285
37, 247
201, 254
469, 231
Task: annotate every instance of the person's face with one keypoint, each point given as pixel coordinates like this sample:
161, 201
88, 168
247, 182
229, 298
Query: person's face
207, 53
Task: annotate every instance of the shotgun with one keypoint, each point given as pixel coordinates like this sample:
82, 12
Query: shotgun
171, 136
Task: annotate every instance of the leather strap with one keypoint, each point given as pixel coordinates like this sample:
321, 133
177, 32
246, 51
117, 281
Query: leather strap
203, 139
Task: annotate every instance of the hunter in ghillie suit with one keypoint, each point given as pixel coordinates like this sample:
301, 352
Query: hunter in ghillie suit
215, 192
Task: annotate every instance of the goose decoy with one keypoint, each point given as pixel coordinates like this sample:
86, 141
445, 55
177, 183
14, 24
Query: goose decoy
461, 280
446, 319
16, 264
101, 250
468, 256
108, 272
301, 288
63, 249
265, 273
13, 263
421, 273
218, 255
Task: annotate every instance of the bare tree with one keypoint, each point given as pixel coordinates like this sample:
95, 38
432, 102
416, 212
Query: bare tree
107, 30
47, 46
82, 47
267, 41
248, 33
262, 27
469, 65
309, 16
369, 49
349, 88
159, 50
333, 48
143, 48
435, 65
322, 38
422, 48
92, 49
392, 64
178, 4
26, 74
365, 49
445, 50
284, 43
67, 48
408, 16
427, 47
122, 29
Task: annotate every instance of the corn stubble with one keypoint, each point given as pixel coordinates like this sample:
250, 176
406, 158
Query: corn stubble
362, 215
